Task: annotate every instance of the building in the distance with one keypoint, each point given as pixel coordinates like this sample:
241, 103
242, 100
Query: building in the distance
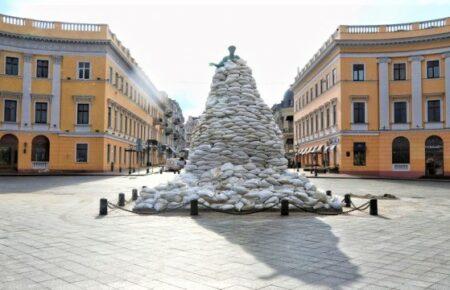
375, 100
191, 123
72, 98
174, 127
283, 114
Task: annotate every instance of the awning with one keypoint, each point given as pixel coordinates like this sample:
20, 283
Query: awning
320, 148
314, 149
331, 147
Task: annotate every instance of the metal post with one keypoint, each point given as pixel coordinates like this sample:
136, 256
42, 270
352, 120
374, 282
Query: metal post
194, 207
121, 199
103, 206
284, 207
134, 194
373, 207
328, 192
347, 200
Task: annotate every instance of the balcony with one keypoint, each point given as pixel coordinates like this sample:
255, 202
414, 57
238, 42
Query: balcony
39, 165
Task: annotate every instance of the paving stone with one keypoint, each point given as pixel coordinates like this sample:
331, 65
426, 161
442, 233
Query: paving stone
50, 237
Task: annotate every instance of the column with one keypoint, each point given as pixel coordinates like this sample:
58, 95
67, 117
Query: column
56, 93
416, 91
383, 88
26, 92
447, 89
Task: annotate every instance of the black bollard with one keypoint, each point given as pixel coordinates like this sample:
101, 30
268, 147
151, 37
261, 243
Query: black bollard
103, 206
121, 199
194, 207
284, 207
148, 170
347, 200
134, 194
315, 173
373, 207
328, 192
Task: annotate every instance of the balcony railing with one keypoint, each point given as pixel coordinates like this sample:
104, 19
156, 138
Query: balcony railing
39, 165
371, 30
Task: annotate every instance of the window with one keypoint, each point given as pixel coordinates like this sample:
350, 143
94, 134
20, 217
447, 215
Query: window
82, 153
359, 111
114, 153
12, 66
83, 114
311, 92
433, 69
109, 117
400, 151
434, 110
334, 77
116, 82
400, 112
328, 117
321, 120
10, 111
358, 72
108, 153
359, 154
399, 71
323, 86
84, 70
317, 91
110, 75
40, 114
334, 114
327, 81
126, 125
42, 69
316, 126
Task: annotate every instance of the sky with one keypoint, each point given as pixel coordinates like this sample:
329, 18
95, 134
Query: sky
173, 40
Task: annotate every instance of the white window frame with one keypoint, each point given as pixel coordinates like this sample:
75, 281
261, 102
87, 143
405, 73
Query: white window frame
78, 70
359, 126
364, 71
87, 153
440, 68
19, 62
83, 127
434, 125
17, 111
400, 126
34, 113
406, 71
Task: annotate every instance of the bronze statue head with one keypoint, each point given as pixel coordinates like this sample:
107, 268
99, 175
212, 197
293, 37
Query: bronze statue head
232, 49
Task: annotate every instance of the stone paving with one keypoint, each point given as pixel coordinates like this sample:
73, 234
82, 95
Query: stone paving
51, 237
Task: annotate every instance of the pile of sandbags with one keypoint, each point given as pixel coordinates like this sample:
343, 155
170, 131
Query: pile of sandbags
237, 157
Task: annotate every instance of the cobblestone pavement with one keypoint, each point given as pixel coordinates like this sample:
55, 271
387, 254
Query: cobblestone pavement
51, 237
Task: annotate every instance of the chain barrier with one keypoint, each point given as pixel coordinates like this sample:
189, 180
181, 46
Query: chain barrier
361, 207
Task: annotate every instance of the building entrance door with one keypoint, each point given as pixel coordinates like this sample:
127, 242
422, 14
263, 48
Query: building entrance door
434, 156
8, 152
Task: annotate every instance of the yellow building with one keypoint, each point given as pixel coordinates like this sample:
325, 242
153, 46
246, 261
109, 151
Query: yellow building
374, 100
73, 99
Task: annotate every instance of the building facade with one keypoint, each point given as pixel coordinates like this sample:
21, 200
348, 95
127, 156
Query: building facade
191, 123
283, 114
72, 98
174, 127
375, 100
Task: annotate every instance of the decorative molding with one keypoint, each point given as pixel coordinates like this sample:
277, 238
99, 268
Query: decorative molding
384, 60
41, 97
27, 57
83, 98
416, 58
8, 94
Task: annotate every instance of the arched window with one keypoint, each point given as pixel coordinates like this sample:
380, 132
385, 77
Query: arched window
400, 151
40, 149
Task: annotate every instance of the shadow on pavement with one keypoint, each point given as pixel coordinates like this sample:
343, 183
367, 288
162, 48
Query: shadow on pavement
301, 247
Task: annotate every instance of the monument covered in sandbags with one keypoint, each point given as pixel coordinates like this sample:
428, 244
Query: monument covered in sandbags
237, 156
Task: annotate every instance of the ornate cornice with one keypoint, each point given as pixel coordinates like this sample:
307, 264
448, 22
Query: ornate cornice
374, 42
8, 94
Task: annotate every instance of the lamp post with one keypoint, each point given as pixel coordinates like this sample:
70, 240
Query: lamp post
297, 148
